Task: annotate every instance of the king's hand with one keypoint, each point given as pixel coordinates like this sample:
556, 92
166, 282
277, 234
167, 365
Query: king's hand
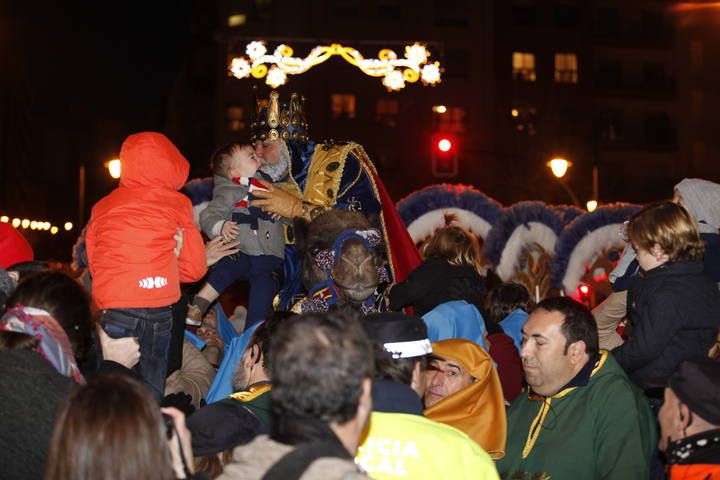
277, 201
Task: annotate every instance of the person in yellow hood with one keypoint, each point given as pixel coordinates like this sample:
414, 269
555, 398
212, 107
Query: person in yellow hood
463, 390
400, 442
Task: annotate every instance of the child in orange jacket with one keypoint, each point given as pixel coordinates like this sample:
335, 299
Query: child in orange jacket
135, 261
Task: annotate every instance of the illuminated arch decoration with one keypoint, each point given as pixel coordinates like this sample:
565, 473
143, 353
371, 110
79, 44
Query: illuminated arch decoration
588, 238
395, 72
521, 245
423, 211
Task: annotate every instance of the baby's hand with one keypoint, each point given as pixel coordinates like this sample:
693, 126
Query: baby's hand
229, 231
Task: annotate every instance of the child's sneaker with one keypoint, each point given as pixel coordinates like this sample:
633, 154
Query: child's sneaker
193, 316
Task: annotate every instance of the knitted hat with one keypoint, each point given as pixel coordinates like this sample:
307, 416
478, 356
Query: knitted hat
702, 200
13, 247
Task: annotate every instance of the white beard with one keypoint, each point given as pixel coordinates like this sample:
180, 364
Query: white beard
280, 170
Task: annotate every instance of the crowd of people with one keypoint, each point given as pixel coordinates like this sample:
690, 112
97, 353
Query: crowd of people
387, 362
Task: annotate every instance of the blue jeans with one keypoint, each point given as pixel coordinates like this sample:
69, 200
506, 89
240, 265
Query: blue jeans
259, 271
152, 327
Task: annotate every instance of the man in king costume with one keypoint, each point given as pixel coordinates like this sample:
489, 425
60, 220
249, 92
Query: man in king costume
317, 177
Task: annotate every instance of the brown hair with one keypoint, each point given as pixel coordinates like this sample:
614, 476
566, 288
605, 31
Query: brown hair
12, 341
112, 429
213, 465
668, 226
221, 159
504, 299
456, 245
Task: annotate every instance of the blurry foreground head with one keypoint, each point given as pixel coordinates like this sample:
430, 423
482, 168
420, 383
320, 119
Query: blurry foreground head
692, 404
321, 369
58, 296
319, 363
112, 429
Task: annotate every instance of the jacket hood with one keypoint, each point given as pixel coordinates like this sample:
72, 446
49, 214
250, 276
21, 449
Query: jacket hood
151, 159
478, 409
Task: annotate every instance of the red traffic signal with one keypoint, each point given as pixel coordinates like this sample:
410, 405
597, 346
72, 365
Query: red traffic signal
444, 144
444, 155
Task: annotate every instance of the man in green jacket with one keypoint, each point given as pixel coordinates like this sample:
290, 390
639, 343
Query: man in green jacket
580, 417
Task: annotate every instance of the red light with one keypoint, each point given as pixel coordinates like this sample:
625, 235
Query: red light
444, 145
584, 289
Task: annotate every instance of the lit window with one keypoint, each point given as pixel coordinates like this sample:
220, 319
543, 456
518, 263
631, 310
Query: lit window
342, 105
566, 68
452, 121
386, 111
524, 66
234, 115
237, 20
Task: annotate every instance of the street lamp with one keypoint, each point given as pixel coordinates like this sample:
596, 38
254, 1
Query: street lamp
559, 167
114, 167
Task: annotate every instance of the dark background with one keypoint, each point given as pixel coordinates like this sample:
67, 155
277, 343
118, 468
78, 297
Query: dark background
77, 77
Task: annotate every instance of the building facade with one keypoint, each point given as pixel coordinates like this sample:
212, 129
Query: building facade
622, 89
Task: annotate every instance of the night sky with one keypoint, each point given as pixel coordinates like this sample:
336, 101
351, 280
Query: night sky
117, 58
78, 77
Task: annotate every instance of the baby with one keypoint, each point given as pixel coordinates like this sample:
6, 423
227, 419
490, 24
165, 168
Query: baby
262, 240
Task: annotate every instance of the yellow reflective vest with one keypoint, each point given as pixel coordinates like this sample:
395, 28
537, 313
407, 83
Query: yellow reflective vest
400, 445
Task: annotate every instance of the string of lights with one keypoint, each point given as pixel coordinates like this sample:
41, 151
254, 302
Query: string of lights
395, 72
40, 225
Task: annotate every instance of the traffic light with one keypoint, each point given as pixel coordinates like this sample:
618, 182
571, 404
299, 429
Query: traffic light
444, 155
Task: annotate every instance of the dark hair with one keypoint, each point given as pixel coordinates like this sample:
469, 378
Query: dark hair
220, 159
11, 341
578, 324
319, 363
265, 331
398, 370
24, 269
504, 299
65, 300
110, 428
669, 226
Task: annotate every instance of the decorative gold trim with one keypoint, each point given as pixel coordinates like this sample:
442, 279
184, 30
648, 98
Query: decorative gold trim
359, 173
322, 183
536, 425
251, 394
273, 111
363, 158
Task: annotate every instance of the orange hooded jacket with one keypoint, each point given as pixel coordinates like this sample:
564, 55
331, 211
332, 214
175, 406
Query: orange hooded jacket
130, 234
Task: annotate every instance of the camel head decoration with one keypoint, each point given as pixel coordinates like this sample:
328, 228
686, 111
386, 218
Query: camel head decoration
342, 257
